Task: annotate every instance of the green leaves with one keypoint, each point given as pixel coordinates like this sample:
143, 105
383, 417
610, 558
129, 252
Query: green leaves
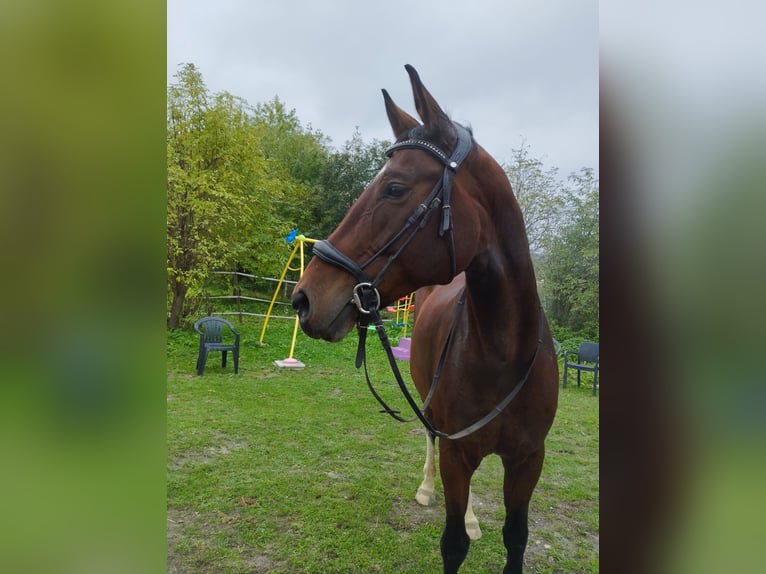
570, 268
538, 192
562, 220
344, 178
236, 183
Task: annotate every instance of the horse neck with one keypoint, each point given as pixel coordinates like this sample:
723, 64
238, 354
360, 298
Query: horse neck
502, 289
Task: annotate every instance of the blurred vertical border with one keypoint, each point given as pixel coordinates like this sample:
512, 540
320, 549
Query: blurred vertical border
82, 203
683, 197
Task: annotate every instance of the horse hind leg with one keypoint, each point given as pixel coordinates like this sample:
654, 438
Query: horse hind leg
426, 491
471, 522
426, 494
518, 485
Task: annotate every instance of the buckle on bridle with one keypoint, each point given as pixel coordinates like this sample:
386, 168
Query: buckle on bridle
366, 298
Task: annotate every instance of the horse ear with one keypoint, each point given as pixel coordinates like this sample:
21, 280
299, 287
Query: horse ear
437, 124
401, 122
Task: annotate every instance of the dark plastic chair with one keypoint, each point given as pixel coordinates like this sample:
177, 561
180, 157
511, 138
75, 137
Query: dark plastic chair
587, 353
210, 331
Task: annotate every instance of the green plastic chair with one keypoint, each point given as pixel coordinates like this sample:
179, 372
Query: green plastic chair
211, 338
587, 353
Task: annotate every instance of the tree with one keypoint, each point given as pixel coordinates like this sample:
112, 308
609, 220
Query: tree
570, 268
301, 150
562, 226
346, 174
539, 194
300, 153
220, 188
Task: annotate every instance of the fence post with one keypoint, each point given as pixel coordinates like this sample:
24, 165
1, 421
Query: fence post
237, 293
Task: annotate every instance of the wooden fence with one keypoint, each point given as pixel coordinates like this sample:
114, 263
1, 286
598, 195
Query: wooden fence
238, 286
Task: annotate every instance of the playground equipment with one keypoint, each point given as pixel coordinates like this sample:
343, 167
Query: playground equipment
290, 362
402, 309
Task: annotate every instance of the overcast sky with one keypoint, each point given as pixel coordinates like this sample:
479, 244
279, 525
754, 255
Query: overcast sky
513, 70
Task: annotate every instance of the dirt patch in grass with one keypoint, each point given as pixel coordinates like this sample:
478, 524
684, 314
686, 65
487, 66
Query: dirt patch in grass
194, 539
207, 455
555, 532
408, 515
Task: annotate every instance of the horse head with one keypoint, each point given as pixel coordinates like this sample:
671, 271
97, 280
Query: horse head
398, 235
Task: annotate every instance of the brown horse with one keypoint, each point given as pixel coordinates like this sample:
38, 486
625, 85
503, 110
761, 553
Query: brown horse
441, 212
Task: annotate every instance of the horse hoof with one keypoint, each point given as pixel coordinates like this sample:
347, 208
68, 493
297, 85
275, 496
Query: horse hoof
425, 497
472, 530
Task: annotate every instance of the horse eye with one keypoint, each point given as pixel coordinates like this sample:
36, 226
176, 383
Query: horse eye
395, 190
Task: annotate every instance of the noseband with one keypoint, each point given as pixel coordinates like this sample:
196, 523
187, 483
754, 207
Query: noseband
365, 294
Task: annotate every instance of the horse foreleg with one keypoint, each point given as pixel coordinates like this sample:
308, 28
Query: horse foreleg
456, 478
518, 484
426, 493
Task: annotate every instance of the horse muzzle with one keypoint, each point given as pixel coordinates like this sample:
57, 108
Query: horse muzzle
320, 319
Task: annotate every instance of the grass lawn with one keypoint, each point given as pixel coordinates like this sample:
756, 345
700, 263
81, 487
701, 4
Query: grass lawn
277, 471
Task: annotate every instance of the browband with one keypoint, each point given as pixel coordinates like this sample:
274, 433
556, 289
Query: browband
462, 148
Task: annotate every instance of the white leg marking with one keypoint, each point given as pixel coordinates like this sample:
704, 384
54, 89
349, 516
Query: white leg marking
471, 522
426, 495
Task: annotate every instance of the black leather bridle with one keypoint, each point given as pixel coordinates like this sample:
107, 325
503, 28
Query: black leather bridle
366, 298
365, 294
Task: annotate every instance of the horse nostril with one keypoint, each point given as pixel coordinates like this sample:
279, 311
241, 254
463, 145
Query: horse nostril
300, 303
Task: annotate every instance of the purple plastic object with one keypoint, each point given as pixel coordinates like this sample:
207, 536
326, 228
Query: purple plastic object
402, 352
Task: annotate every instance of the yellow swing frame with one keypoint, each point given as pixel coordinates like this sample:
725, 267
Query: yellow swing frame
290, 362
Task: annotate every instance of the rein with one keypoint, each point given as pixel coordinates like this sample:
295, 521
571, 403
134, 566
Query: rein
419, 411
366, 298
